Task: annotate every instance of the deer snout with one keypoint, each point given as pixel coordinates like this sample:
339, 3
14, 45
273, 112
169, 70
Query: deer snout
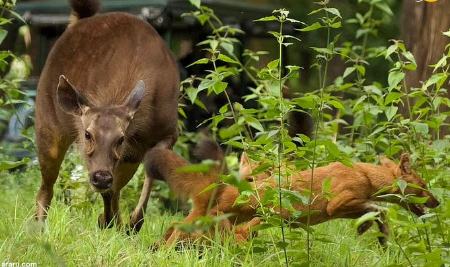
102, 180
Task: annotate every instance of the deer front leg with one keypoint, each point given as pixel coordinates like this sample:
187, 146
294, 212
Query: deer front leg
51, 151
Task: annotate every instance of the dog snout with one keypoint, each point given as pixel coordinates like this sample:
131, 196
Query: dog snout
432, 202
101, 180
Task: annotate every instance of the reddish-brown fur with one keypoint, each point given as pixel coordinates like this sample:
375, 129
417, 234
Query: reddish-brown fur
117, 98
353, 191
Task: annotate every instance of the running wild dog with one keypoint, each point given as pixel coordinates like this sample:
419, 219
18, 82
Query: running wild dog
353, 192
111, 84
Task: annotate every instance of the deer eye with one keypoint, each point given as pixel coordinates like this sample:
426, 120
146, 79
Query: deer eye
87, 135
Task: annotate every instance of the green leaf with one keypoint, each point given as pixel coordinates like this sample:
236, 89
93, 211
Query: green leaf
199, 168
447, 33
273, 64
391, 97
253, 122
369, 216
391, 49
7, 165
3, 34
333, 11
219, 87
336, 104
269, 18
421, 128
390, 112
227, 59
200, 61
306, 102
192, 94
402, 184
209, 188
361, 69
312, 27
394, 78
348, 71
195, 3
383, 6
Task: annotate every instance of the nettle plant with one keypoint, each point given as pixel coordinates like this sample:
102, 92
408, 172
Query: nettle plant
14, 69
386, 117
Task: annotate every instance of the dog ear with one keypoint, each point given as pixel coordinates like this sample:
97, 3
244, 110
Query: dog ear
245, 168
405, 164
385, 162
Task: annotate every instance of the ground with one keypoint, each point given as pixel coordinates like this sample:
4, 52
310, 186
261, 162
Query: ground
72, 238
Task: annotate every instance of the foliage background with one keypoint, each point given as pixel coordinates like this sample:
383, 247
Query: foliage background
346, 72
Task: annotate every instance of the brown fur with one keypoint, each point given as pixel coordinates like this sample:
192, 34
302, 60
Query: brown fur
117, 98
353, 192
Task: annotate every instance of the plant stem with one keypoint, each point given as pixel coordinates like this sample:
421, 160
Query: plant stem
280, 134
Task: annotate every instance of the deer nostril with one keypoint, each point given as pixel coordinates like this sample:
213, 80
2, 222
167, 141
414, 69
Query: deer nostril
101, 179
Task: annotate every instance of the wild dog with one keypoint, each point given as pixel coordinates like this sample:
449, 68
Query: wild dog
111, 84
354, 191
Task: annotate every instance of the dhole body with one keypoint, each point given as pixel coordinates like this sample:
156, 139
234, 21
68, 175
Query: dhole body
110, 84
353, 192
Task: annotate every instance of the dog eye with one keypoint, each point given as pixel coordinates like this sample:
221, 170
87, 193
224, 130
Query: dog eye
120, 141
87, 135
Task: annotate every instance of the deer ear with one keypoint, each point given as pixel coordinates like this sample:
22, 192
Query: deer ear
135, 98
405, 164
69, 99
385, 162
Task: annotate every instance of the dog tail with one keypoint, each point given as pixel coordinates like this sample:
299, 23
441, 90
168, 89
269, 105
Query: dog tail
207, 148
83, 9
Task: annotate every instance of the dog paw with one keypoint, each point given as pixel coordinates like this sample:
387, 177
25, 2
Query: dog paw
362, 228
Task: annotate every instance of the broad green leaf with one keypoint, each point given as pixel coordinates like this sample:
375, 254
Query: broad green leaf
384, 7
200, 61
254, 123
273, 64
421, 128
226, 58
195, 3
7, 165
390, 112
348, 71
3, 34
391, 97
447, 33
219, 87
312, 27
394, 78
193, 168
192, 94
402, 184
269, 18
333, 11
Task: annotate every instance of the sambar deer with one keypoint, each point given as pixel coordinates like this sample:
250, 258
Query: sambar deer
353, 191
111, 84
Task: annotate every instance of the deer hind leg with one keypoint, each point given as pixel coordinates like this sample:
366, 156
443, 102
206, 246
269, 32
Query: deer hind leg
137, 216
51, 151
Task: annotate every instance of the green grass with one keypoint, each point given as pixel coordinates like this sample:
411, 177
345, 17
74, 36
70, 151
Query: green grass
72, 238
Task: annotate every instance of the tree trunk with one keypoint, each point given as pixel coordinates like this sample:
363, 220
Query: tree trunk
423, 24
